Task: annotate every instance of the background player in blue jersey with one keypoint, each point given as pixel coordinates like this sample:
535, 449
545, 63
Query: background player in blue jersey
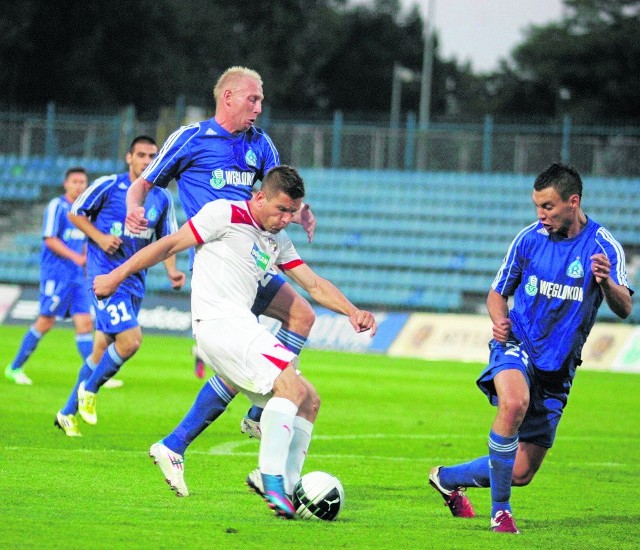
100, 212
558, 269
63, 289
223, 158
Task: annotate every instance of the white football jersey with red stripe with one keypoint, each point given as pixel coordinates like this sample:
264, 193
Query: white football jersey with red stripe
232, 256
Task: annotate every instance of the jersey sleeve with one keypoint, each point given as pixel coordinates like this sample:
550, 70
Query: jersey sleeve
51, 219
288, 256
173, 158
212, 221
90, 202
510, 273
270, 155
614, 251
168, 222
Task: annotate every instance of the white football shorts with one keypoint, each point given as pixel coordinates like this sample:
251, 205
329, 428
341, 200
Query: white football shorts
244, 353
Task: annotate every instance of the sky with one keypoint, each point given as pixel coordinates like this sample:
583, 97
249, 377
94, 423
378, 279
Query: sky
483, 31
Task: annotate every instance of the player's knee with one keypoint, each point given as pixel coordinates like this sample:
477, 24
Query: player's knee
129, 347
315, 402
44, 324
301, 316
300, 393
520, 479
84, 326
313, 398
513, 408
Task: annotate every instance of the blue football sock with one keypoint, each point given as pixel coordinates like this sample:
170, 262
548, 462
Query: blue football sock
71, 406
108, 366
210, 403
502, 457
468, 474
255, 413
29, 343
84, 343
295, 342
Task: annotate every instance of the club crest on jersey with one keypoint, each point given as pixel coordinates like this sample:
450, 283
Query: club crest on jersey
273, 245
261, 259
531, 288
575, 269
217, 179
251, 159
116, 229
152, 215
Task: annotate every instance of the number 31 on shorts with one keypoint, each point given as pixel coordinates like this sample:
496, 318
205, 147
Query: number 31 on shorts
118, 313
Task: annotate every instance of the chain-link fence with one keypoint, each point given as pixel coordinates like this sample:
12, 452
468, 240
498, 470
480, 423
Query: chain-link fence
482, 147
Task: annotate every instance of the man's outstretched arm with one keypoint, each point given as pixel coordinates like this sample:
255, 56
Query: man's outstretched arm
136, 195
106, 285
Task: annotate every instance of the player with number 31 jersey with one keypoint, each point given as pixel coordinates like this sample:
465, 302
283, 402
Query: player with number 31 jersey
104, 203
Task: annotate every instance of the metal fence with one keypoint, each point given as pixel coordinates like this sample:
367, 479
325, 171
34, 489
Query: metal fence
482, 147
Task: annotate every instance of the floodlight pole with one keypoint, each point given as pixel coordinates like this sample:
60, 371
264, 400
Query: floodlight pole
401, 75
425, 88
396, 85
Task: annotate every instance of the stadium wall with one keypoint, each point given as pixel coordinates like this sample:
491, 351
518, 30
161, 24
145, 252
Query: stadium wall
611, 346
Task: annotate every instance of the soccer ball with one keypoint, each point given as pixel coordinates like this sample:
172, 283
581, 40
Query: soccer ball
318, 495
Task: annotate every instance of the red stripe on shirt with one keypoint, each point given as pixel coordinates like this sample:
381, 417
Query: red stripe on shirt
280, 363
240, 215
195, 232
291, 264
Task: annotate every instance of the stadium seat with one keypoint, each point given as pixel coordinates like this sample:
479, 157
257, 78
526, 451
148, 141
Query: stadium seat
388, 238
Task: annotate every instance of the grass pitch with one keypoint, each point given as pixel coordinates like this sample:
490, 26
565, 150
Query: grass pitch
384, 422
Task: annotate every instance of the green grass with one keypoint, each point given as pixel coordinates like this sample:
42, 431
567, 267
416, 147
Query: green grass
384, 423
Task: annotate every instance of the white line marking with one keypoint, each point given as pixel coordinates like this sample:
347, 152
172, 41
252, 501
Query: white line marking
230, 448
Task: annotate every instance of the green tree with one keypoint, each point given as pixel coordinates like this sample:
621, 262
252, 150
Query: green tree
85, 54
585, 65
365, 45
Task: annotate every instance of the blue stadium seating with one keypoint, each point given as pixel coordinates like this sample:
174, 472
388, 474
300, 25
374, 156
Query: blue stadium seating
392, 239
447, 232
25, 179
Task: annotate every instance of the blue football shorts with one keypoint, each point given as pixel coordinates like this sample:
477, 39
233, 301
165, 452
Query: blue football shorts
267, 289
118, 312
549, 390
63, 299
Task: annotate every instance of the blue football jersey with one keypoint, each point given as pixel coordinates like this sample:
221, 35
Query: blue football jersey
56, 224
209, 163
104, 203
556, 296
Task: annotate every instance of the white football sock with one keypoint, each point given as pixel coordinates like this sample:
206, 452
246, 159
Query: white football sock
298, 448
276, 423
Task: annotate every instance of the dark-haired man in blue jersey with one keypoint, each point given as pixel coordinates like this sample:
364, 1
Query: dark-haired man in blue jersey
63, 288
558, 269
222, 158
99, 213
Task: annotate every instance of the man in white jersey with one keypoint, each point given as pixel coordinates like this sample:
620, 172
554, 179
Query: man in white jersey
558, 270
237, 242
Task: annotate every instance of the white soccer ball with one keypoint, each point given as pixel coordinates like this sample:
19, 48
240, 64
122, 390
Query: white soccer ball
318, 495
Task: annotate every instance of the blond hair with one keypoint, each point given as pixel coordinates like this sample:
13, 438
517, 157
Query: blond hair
231, 77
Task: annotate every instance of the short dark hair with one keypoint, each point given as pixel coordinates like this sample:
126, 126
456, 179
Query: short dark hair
142, 139
562, 177
75, 170
286, 179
